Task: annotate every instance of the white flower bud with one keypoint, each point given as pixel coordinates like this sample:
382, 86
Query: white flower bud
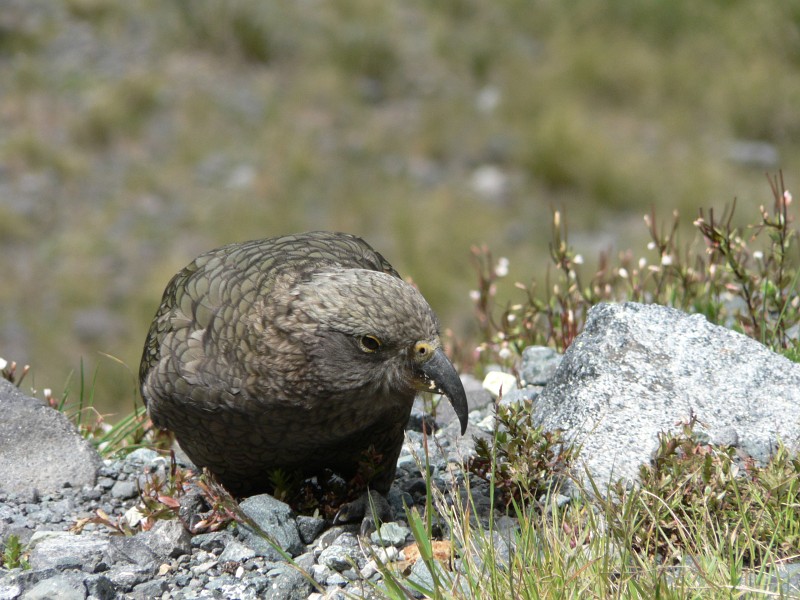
501, 270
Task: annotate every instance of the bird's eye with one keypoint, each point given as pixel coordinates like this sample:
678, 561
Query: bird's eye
369, 343
423, 350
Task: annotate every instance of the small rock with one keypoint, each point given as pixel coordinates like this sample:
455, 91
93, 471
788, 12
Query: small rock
60, 587
309, 528
145, 457
420, 575
331, 535
149, 589
486, 424
133, 550
124, 490
320, 573
498, 383
204, 567
236, 552
100, 587
10, 591
210, 542
62, 550
290, 585
41, 449
167, 539
342, 553
390, 534
276, 519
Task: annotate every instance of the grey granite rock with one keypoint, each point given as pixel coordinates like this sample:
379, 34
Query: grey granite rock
390, 534
637, 370
133, 550
42, 451
60, 587
167, 539
237, 552
289, 585
539, 363
61, 550
342, 553
309, 527
124, 489
276, 518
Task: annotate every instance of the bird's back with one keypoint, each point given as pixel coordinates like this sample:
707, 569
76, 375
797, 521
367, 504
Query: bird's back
233, 276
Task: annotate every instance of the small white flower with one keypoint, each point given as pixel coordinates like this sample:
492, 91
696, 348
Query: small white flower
578, 260
642, 263
623, 272
651, 245
504, 353
666, 260
511, 318
787, 197
48, 393
758, 255
474, 295
501, 270
3, 363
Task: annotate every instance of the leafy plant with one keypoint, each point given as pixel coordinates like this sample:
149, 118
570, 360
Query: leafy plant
523, 461
14, 554
695, 493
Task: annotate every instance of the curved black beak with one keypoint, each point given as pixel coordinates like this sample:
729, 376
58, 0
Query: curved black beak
441, 377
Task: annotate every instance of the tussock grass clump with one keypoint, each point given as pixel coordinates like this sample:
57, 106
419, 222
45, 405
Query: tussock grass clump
696, 497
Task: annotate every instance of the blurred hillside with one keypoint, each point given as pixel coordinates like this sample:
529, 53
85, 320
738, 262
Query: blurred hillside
135, 135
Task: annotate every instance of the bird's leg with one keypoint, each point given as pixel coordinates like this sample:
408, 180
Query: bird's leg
371, 507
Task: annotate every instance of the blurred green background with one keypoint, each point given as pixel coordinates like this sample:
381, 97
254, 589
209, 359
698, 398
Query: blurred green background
135, 135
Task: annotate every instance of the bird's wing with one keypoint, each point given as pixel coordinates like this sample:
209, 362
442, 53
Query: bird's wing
229, 281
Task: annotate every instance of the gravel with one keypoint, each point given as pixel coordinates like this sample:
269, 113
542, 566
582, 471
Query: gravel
168, 562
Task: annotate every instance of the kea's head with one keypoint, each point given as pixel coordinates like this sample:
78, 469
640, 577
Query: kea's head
371, 333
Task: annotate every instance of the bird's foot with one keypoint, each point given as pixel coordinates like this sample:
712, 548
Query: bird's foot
371, 507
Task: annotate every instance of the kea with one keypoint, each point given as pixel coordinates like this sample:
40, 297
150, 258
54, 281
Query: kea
301, 353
